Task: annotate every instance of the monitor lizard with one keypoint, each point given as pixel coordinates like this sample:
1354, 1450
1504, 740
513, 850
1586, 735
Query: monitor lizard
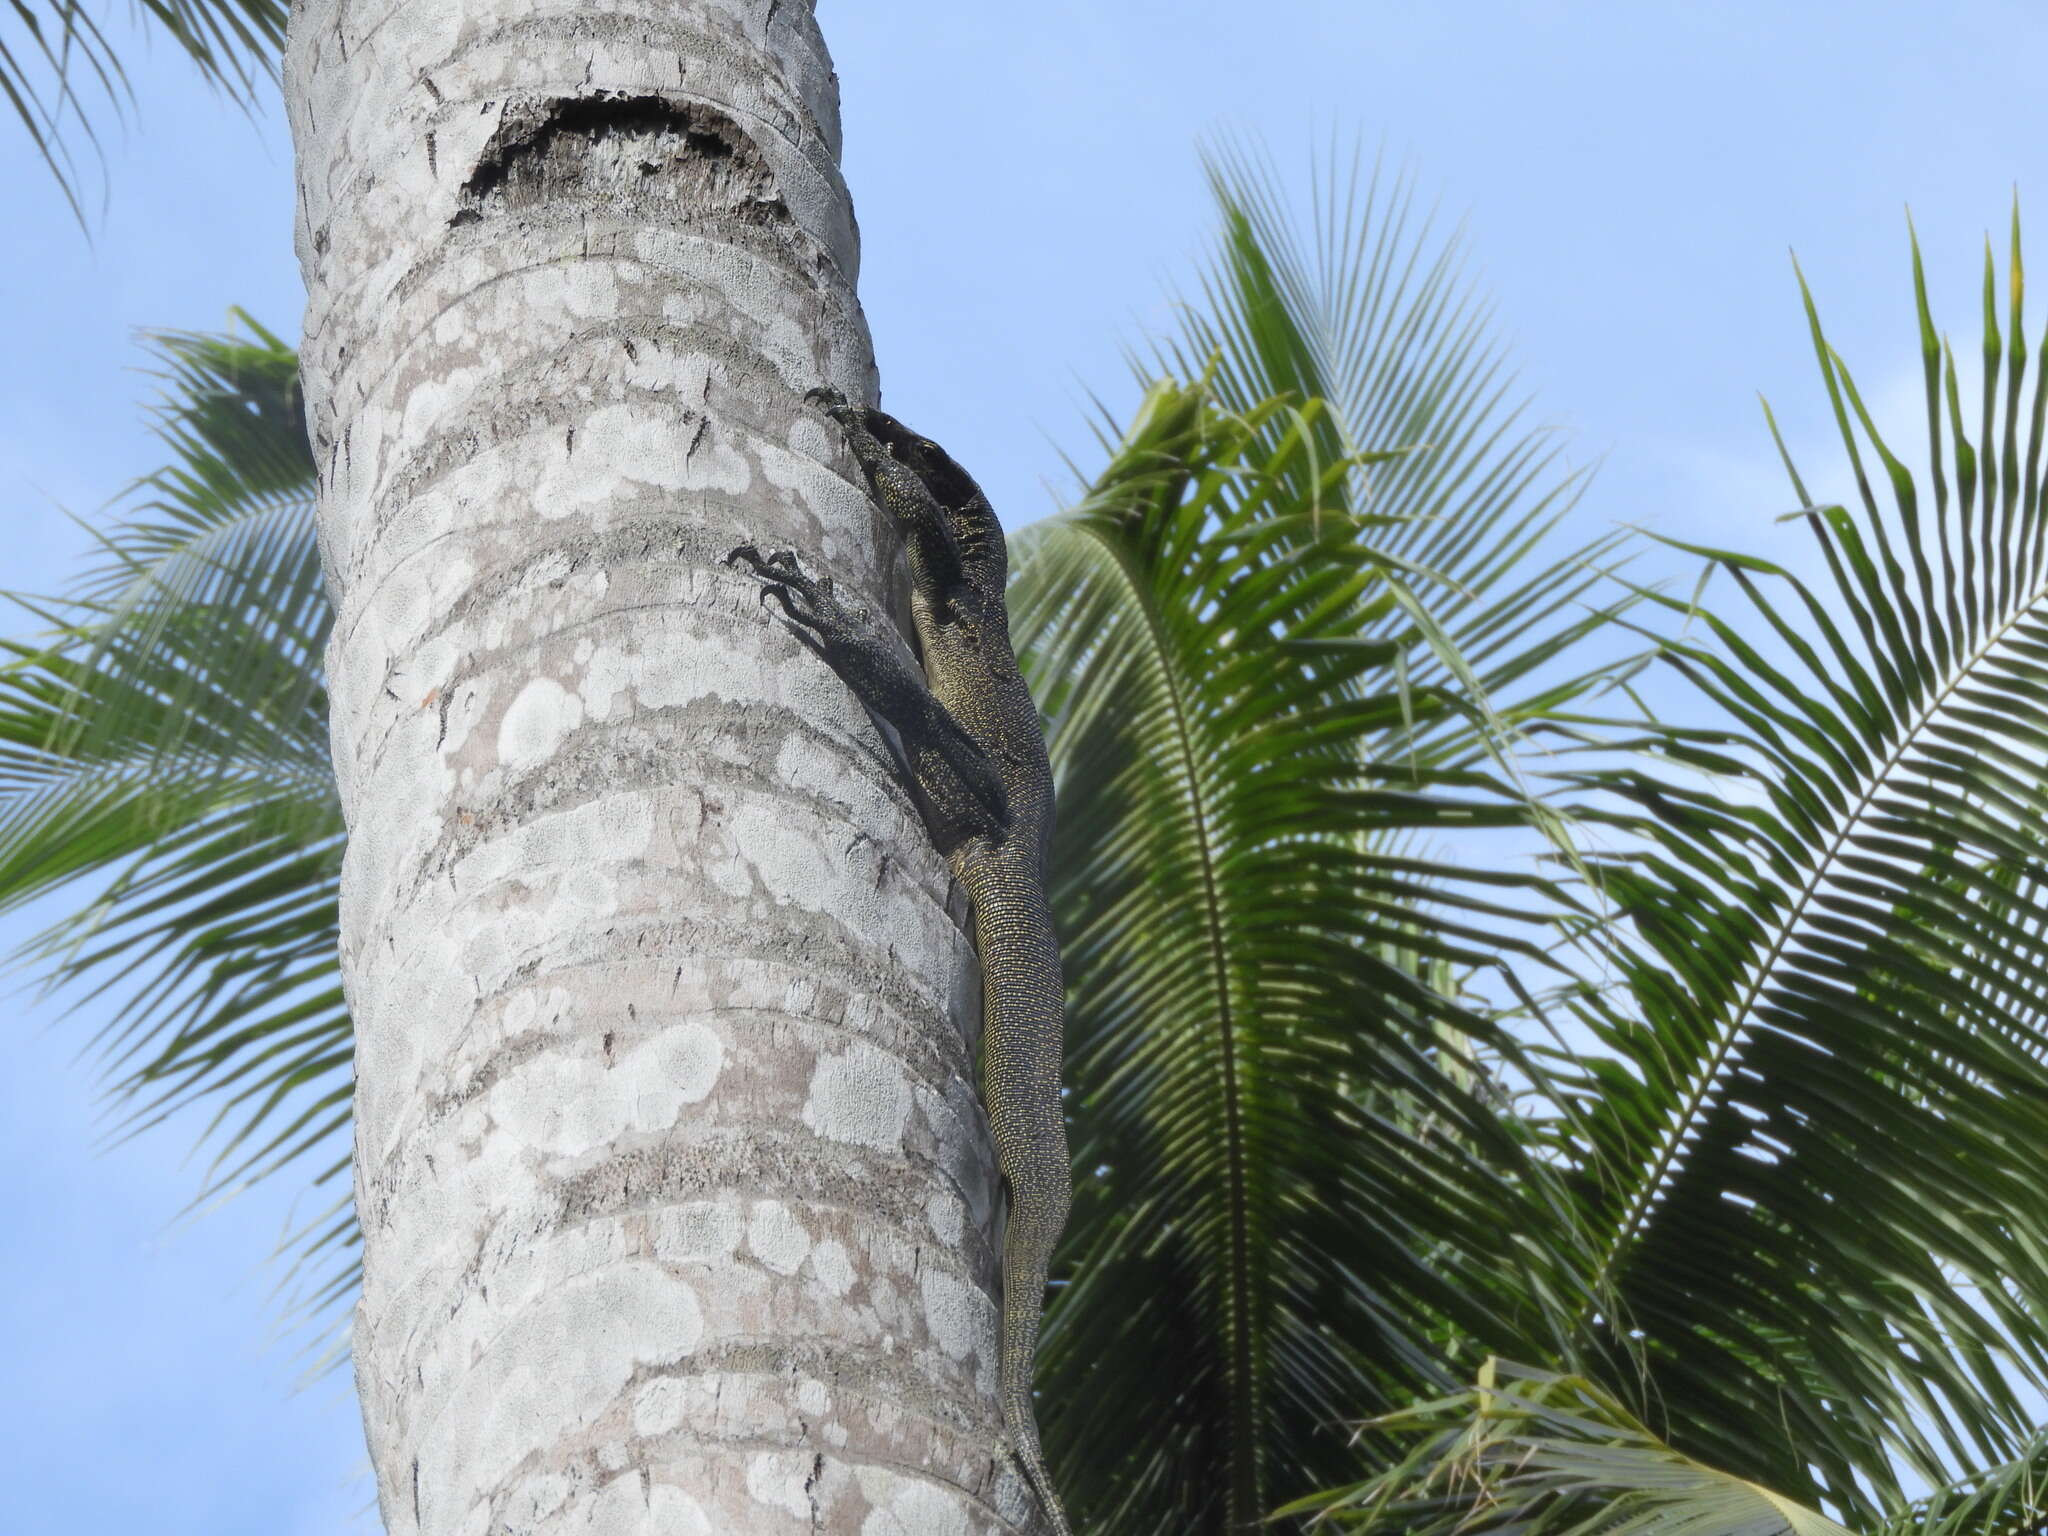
974, 758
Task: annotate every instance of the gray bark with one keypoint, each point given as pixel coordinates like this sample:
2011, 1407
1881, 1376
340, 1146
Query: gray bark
674, 1192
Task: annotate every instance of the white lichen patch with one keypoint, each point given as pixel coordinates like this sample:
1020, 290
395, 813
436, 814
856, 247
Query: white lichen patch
859, 1095
685, 1060
909, 1506
955, 1314
550, 1371
829, 777
409, 602
625, 824
539, 1497
948, 1220
607, 680
536, 722
627, 435
777, 1479
677, 668
776, 1237
627, 1507
831, 1269
701, 1232
659, 1407
566, 1105
812, 867
562, 844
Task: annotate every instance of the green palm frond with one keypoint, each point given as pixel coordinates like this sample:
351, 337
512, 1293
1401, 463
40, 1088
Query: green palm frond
57, 55
213, 561
1370, 310
1300, 1184
168, 739
1820, 1216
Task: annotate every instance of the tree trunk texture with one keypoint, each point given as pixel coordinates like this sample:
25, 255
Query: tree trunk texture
675, 1195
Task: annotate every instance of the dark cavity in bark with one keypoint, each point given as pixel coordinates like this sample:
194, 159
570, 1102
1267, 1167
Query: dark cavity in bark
638, 148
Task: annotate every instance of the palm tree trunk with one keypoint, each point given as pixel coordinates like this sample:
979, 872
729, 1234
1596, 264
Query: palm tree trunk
674, 1192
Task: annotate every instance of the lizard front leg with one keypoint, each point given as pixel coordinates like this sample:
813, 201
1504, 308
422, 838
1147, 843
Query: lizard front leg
958, 788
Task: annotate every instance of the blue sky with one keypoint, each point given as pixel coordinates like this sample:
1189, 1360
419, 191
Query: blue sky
1630, 177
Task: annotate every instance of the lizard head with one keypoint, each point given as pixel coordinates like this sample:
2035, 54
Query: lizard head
970, 519
951, 486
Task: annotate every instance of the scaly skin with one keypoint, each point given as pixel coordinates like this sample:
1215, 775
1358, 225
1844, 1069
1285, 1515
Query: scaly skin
999, 853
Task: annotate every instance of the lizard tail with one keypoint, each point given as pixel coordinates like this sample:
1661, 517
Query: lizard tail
1038, 1210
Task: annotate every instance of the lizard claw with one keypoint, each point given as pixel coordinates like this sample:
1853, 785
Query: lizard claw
779, 566
783, 579
836, 405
